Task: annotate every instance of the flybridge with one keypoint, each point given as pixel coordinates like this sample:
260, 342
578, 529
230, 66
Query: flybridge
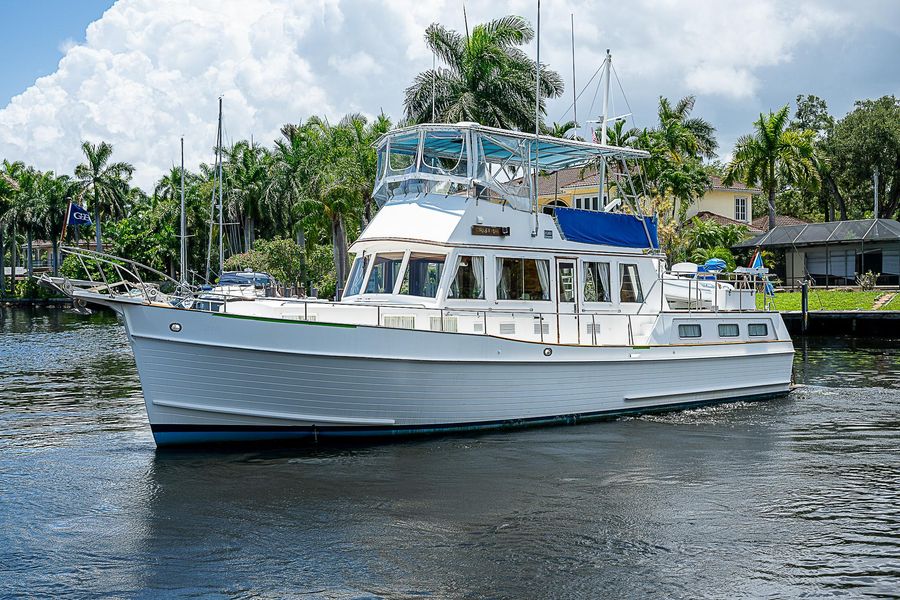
486, 162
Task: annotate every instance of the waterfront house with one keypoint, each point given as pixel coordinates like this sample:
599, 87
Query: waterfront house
833, 253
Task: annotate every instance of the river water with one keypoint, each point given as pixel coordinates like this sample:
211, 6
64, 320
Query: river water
794, 497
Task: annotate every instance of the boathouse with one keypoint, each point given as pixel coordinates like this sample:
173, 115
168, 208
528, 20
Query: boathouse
833, 253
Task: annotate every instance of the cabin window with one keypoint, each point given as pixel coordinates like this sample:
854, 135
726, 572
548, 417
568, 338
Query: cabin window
758, 329
523, 279
740, 209
385, 271
630, 290
357, 273
468, 282
423, 275
596, 282
729, 330
566, 290
689, 330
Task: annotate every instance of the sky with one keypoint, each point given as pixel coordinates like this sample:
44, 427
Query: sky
141, 73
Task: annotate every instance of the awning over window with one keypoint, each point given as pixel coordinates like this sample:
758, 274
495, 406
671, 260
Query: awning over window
611, 229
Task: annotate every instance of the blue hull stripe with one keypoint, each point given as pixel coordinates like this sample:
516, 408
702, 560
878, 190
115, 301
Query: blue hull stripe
181, 435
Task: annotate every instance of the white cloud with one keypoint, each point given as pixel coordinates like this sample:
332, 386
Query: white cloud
151, 70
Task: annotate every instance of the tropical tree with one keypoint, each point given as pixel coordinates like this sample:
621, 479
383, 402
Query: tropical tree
487, 78
104, 183
22, 212
684, 135
246, 182
773, 156
9, 187
563, 130
56, 193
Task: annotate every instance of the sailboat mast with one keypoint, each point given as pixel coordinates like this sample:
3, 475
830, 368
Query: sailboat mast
601, 202
537, 118
221, 208
574, 92
183, 221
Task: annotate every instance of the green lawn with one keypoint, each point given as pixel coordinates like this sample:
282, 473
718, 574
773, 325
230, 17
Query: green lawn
832, 300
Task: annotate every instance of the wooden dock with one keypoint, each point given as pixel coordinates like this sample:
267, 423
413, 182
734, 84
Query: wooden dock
874, 323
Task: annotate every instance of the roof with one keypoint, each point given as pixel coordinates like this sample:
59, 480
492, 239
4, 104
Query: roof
834, 232
715, 183
705, 215
501, 145
762, 223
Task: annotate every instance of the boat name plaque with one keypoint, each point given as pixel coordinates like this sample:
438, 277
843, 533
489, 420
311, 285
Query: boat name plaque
490, 230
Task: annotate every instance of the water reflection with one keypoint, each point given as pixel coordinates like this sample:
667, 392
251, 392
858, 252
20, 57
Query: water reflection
786, 498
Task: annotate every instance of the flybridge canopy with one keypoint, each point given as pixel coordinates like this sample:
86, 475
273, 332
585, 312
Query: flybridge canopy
448, 159
501, 145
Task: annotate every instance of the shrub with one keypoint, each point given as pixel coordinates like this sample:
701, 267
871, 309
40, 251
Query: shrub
866, 281
281, 258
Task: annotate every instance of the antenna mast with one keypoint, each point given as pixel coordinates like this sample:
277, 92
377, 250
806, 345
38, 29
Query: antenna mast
221, 219
183, 222
574, 91
537, 118
601, 201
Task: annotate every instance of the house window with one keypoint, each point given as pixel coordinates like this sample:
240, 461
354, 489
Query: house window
729, 330
630, 290
423, 275
596, 282
689, 330
587, 202
523, 279
468, 283
740, 209
758, 329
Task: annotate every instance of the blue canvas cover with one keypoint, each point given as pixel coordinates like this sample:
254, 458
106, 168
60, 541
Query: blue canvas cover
612, 229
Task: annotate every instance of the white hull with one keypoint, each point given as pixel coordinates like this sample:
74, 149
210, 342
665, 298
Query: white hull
223, 379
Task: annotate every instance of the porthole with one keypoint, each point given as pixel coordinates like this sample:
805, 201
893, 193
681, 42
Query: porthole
176, 327
548, 351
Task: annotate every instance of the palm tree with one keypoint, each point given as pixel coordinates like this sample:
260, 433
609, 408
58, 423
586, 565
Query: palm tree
56, 193
773, 155
9, 186
104, 183
247, 174
487, 78
327, 180
22, 211
686, 134
562, 130
363, 155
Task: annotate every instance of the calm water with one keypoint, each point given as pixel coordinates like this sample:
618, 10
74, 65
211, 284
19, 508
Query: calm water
797, 497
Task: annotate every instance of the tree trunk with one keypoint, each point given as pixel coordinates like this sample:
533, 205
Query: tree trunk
29, 254
771, 206
339, 252
892, 201
98, 243
248, 224
301, 243
55, 256
2, 265
367, 211
13, 257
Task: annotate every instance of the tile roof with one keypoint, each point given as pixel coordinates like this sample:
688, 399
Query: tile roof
762, 223
715, 182
705, 215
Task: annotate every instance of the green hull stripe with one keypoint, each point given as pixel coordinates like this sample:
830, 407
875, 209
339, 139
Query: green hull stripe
271, 320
